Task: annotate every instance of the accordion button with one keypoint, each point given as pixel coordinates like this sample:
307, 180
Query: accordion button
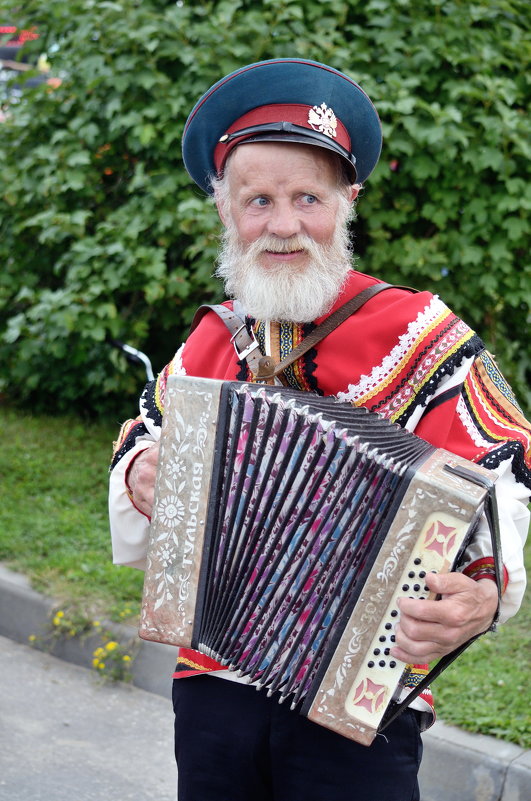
422, 574
381, 663
387, 651
382, 638
388, 626
370, 664
417, 561
411, 574
392, 638
394, 613
405, 587
392, 664
416, 587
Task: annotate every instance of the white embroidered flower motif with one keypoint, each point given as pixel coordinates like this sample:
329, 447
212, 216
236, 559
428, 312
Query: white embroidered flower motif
323, 119
165, 556
176, 467
170, 511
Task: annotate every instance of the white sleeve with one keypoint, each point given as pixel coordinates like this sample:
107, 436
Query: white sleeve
129, 527
512, 499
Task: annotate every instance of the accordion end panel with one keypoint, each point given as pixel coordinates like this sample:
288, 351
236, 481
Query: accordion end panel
180, 510
429, 533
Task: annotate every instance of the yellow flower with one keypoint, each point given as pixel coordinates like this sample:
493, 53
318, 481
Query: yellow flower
96, 623
126, 658
59, 614
56, 621
32, 638
101, 665
111, 646
98, 652
95, 663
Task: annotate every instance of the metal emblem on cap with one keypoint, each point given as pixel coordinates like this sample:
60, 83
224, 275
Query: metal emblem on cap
322, 119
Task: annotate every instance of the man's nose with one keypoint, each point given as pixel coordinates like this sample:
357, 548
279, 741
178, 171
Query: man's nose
284, 221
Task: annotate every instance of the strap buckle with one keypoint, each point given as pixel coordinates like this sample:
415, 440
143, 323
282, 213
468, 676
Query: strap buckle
243, 354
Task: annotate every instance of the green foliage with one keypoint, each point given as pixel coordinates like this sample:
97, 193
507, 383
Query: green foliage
103, 236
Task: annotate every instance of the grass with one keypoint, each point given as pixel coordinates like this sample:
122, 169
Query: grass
53, 528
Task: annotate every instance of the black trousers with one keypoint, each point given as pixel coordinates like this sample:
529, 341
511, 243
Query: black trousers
233, 743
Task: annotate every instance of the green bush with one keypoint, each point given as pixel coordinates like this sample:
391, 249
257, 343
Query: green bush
103, 236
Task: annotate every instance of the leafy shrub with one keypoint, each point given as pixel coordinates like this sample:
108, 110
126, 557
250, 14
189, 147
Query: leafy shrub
103, 236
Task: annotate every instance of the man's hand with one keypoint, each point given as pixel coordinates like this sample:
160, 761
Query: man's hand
431, 629
141, 478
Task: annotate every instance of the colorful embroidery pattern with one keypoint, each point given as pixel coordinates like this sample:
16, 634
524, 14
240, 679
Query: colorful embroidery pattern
415, 674
435, 343
285, 337
485, 568
127, 437
497, 379
191, 663
490, 412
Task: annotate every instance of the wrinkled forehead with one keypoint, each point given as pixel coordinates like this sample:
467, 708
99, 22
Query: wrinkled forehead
277, 160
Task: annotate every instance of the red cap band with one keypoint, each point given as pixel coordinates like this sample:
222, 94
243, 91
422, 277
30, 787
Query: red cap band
322, 119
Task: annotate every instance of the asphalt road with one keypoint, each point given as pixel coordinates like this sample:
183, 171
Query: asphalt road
66, 737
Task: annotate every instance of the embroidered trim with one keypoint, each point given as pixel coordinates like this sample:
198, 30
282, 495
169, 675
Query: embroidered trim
150, 402
414, 675
446, 366
484, 567
181, 660
129, 432
382, 373
299, 374
498, 380
177, 367
469, 424
503, 427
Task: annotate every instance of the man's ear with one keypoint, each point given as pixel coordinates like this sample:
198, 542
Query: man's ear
221, 214
354, 192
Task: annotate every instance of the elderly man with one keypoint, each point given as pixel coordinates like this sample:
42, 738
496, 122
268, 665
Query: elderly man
284, 146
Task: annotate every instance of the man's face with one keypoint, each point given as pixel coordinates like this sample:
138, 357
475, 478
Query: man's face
283, 190
285, 252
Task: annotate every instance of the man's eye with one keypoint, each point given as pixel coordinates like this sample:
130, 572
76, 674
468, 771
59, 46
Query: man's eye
309, 199
259, 201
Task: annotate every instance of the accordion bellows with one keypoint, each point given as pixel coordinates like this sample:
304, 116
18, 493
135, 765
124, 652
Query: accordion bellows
285, 526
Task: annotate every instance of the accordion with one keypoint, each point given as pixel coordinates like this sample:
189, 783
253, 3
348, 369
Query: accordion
285, 527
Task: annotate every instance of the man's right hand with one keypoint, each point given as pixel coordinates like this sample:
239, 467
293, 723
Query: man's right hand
141, 478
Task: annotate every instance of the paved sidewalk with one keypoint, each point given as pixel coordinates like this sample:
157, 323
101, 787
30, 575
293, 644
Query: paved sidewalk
115, 742
65, 737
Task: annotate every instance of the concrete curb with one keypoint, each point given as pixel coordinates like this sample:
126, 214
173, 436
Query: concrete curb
457, 766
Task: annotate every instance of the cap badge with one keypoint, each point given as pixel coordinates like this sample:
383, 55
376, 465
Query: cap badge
322, 119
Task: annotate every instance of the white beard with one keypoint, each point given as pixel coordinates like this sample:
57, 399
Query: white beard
285, 292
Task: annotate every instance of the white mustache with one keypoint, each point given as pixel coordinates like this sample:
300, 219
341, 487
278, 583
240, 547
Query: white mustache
274, 244
282, 246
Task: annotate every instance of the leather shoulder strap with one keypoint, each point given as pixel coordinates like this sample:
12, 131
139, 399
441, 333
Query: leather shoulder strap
245, 343
268, 369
